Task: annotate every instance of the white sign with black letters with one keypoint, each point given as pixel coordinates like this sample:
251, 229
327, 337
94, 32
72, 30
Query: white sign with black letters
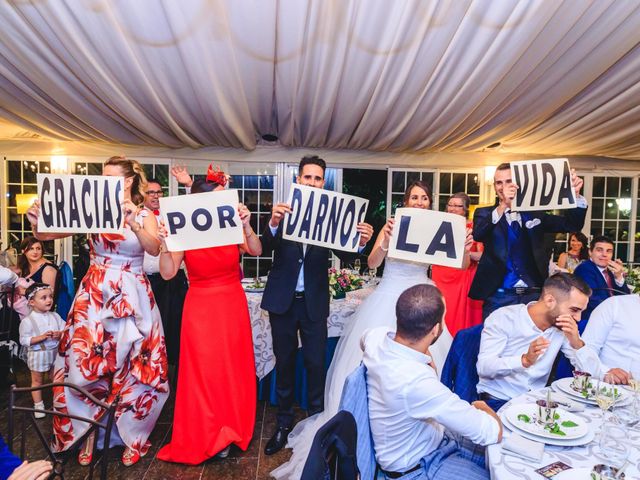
324, 218
202, 220
543, 185
427, 236
80, 203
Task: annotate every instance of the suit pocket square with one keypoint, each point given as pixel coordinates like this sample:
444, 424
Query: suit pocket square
533, 223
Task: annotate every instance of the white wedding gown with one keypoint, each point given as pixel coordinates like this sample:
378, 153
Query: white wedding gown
376, 311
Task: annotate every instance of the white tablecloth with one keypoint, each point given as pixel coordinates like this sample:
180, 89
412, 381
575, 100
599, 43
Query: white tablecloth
507, 467
340, 312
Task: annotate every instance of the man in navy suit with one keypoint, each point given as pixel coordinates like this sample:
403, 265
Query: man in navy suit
514, 264
604, 275
297, 299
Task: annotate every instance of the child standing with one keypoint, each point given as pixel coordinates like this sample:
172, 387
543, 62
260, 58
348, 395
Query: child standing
40, 333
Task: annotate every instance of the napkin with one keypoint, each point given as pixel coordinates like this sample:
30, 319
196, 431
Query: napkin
523, 447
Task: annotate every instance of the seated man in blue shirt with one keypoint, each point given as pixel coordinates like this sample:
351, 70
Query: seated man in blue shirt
420, 428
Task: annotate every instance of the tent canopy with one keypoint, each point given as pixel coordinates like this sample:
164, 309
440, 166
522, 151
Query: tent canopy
544, 77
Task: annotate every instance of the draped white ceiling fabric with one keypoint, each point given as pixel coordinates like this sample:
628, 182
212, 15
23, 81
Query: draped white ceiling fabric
545, 77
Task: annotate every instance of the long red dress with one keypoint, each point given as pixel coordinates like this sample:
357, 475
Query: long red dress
216, 395
462, 311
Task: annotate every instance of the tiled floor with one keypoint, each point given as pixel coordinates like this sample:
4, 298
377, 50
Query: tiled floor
251, 464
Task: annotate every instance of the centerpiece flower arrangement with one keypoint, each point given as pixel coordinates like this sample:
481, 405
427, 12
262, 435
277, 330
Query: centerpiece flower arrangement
632, 276
343, 281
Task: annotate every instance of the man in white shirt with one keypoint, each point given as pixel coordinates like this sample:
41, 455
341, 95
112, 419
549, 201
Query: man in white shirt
612, 334
420, 428
520, 342
169, 294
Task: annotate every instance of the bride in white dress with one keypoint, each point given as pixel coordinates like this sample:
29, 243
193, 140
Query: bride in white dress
376, 311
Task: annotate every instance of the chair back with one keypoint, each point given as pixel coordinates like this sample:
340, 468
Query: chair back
333, 451
8, 334
460, 373
354, 400
59, 459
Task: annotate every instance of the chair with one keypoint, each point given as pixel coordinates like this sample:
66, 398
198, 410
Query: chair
354, 400
59, 459
8, 344
460, 373
333, 451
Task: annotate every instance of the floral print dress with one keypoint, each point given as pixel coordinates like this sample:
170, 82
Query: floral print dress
112, 344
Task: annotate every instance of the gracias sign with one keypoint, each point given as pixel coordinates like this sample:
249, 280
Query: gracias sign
324, 218
80, 203
426, 236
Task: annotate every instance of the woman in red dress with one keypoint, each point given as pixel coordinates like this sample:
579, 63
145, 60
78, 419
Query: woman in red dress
216, 395
462, 311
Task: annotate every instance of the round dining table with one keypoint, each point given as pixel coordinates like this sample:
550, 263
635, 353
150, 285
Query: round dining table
506, 466
340, 314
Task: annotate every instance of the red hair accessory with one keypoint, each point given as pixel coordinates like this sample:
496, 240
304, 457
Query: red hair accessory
216, 176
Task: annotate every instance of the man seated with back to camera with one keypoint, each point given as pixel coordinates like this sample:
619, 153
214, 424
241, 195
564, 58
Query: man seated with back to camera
520, 342
420, 428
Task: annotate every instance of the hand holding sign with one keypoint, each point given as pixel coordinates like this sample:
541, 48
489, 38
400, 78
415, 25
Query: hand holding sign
130, 212
278, 212
544, 185
429, 237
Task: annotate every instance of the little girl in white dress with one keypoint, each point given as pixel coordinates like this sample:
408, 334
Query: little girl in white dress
40, 333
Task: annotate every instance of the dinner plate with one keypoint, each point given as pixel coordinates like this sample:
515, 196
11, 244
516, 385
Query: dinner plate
580, 473
534, 428
577, 442
564, 385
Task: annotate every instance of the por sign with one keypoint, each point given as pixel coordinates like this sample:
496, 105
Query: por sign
426, 236
202, 220
80, 203
543, 185
324, 218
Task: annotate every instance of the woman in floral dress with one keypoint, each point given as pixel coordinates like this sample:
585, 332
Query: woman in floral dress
113, 342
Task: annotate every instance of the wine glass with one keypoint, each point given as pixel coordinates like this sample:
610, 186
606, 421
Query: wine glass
634, 383
357, 265
372, 274
604, 395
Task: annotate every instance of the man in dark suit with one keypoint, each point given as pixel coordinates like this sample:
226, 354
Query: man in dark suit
297, 299
514, 265
604, 275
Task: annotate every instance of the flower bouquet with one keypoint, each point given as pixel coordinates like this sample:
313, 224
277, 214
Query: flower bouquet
632, 276
343, 281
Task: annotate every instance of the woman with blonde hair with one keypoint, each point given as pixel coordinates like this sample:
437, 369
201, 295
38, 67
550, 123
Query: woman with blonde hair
113, 343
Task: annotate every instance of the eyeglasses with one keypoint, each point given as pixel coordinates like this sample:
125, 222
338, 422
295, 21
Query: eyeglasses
453, 205
158, 193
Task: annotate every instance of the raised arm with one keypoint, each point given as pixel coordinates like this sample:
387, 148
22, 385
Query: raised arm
252, 244
380, 248
169, 261
147, 233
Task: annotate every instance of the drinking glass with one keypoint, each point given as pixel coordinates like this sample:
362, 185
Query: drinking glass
357, 265
634, 383
372, 274
614, 444
604, 396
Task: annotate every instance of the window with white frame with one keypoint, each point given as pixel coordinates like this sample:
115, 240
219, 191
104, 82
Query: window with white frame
21, 179
398, 181
610, 212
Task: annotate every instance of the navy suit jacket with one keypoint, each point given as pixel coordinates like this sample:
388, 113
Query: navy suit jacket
590, 273
493, 263
283, 276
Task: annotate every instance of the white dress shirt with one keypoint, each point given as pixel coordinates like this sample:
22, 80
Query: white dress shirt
43, 323
409, 408
507, 334
151, 264
300, 281
7, 277
612, 335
